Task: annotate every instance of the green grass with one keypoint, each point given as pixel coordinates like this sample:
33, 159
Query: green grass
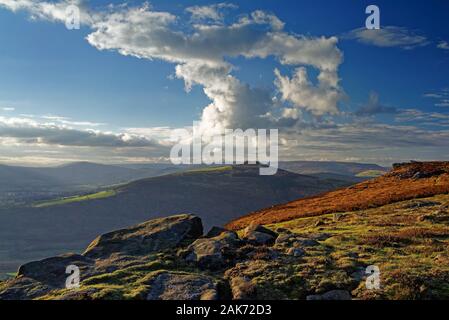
7, 275
405, 266
370, 174
210, 169
94, 196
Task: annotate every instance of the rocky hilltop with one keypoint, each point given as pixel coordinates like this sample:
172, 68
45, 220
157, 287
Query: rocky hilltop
325, 254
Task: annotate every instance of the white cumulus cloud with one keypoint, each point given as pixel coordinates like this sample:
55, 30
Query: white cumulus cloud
201, 56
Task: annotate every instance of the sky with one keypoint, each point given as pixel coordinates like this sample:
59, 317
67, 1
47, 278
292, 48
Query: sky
116, 89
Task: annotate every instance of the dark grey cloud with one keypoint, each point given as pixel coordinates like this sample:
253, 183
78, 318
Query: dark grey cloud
30, 131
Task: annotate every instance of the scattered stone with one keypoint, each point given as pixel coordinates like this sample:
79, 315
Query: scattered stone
331, 295
288, 240
283, 230
284, 239
258, 228
216, 231
152, 236
307, 242
211, 253
296, 252
258, 235
259, 238
182, 286
359, 275
420, 204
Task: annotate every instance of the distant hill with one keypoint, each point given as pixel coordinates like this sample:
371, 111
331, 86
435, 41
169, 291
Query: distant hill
27, 182
14, 178
350, 169
217, 195
22, 185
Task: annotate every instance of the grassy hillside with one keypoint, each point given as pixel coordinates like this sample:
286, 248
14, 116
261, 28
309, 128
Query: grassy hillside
407, 240
409, 181
370, 174
93, 196
350, 169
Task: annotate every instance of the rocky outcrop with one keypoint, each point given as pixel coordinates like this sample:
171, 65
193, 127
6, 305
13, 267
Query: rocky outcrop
259, 235
215, 231
212, 253
152, 236
170, 259
53, 271
166, 258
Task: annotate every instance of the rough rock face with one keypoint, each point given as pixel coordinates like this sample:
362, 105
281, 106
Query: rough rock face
22, 288
212, 253
180, 286
151, 236
259, 235
52, 271
215, 231
37, 278
169, 258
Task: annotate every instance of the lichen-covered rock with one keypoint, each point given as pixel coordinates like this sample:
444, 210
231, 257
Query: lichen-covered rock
291, 239
182, 286
216, 231
295, 252
258, 228
258, 235
212, 253
40, 277
152, 236
52, 271
23, 289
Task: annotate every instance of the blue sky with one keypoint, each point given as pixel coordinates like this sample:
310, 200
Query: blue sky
54, 77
